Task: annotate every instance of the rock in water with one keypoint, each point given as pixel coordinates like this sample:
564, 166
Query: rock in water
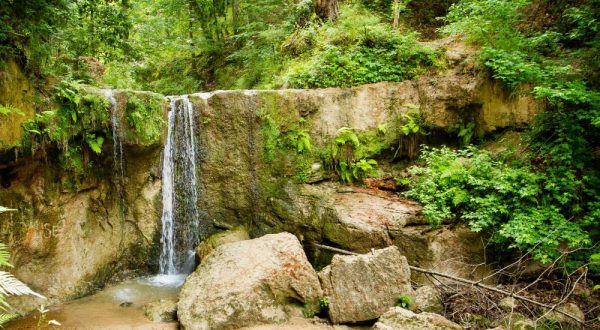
398, 318
361, 288
248, 283
162, 310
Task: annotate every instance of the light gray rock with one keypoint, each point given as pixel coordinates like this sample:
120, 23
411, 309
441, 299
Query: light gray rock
427, 299
246, 283
361, 288
398, 318
161, 311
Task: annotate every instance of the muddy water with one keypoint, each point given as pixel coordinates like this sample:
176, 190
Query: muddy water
118, 307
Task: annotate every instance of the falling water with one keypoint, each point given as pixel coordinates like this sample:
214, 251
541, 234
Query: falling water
180, 217
117, 145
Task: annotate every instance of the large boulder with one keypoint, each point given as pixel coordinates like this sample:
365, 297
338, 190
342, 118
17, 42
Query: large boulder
259, 281
362, 287
398, 318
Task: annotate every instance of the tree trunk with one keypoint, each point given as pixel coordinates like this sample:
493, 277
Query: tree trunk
396, 9
327, 9
235, 6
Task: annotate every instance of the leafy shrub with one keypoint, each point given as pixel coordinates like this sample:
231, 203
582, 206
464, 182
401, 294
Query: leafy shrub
490, 23
404, 301
359, 49
517, 205
363, 169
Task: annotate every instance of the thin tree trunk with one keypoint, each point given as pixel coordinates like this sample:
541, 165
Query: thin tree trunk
235, 7
396, 13
327, 9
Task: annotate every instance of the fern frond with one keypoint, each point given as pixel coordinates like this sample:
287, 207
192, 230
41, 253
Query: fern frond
4, 209
4, 256
4, 318
11, 285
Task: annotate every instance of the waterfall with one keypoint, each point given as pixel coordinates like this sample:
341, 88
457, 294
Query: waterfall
180, 217
118, 167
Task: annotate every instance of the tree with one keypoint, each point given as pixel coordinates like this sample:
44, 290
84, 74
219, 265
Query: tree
327, 9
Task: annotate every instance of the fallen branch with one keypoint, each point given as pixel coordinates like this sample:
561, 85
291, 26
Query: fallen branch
465, 281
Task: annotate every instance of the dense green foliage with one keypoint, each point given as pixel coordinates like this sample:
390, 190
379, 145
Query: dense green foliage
357, 49
145, 117
525, 208
550, 194
183, 46
78, 126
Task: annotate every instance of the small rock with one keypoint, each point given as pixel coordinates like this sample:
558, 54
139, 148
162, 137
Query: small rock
161, 311
508, 304
361, 288
125, 304
517, 321
398, 318
206, 247
565, 321
427, 299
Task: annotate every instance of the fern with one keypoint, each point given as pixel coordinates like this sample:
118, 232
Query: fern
4, 209
4, 318
9, 109
10, 285
95, 143
4, 256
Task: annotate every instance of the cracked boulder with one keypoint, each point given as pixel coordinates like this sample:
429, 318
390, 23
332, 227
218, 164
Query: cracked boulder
365, 220
259, 281
362, 287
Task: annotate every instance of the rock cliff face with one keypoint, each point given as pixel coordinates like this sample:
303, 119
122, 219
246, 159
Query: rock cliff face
241, 183
63, 238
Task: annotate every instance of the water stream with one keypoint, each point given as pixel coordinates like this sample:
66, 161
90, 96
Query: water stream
118, 168
180, 217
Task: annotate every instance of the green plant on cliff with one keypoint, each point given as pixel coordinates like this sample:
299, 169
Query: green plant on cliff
77, 127
350, 158
549, 50
410, 128
145, 117
9, 110
521, 207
